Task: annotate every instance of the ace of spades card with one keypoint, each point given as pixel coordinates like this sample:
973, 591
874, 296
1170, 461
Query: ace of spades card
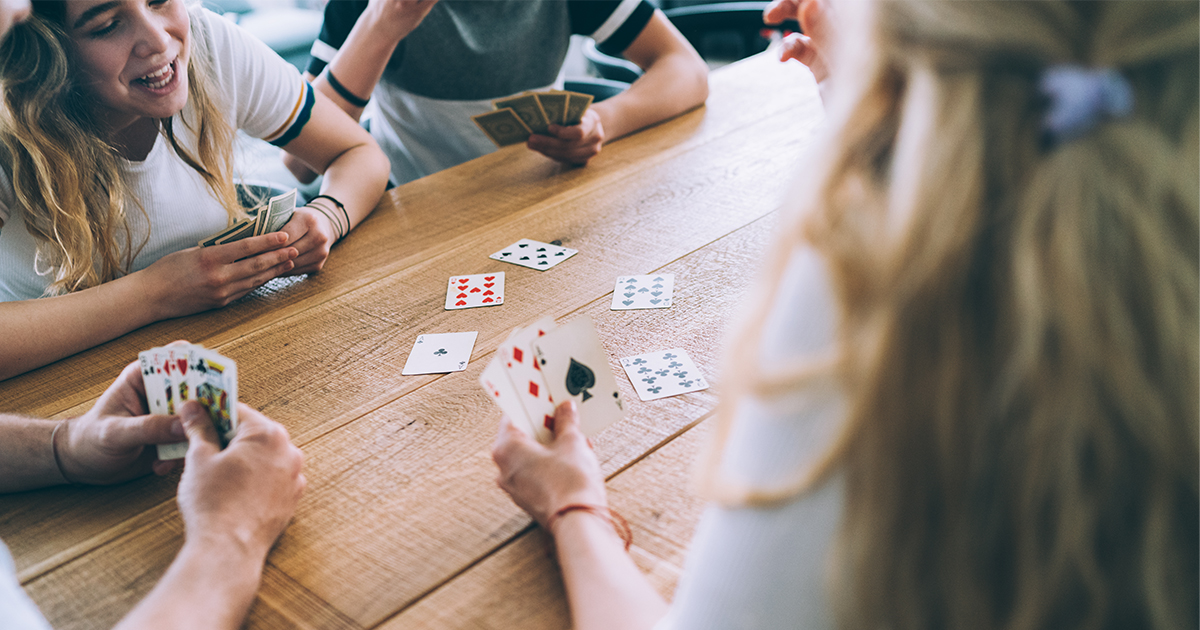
576, 367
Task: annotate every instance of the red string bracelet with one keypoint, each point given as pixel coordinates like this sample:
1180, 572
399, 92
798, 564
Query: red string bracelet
618, 522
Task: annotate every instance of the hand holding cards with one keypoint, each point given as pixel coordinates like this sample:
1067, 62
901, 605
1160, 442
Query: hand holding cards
518, 117
264, 220
542, 365
176, 374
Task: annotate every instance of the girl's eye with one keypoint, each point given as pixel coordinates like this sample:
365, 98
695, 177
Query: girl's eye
104, 30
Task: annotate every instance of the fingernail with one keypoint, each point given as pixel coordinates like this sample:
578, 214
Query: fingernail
177, 429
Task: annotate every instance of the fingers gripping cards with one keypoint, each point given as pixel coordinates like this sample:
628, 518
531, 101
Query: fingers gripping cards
178, 373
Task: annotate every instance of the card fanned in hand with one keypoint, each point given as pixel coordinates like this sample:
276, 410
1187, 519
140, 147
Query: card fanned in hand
178, 373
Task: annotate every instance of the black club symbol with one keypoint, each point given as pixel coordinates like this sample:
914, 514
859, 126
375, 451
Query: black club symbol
440, 352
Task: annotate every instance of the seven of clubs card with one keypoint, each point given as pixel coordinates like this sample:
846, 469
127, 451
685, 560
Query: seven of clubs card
176, 374
664, 373
576, 367
636, 292
484, 289
440, 353
534, 254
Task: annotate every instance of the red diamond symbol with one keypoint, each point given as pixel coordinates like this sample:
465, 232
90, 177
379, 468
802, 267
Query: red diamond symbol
533, 388
549, 422
518, 356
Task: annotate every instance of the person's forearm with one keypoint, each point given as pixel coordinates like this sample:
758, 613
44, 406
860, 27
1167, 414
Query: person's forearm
210, 586
45, 330
673, 85
26, 454
605, 588
360, 62
357, 179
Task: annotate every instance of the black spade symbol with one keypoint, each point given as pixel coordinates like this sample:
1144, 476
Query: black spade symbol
580, 378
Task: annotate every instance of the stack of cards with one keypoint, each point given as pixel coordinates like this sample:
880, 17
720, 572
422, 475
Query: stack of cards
176, 374
264, 220
534, 254
540, 366
518, 117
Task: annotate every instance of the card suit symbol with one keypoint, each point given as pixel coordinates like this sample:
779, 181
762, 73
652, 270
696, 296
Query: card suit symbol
643, 370
541, 332
489, 293
461, 295
524, 258
629, 295
461, 303
489, 278
440, 352
655, 301
489, 284
488, 300
670, 356
627, 302
541, 249
522, 245
560, 254
639, 361
518, 355
542, 262
650, 379
580, 378
643, 290
503, 254
654, 390
685, 383
658, 279
661, 372
674, 364
548, 422
656, 293
183, 366
681, 374
463, 287
475, 290
541, 255
533, 389
657, 286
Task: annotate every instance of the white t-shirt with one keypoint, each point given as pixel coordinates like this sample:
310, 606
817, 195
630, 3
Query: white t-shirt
260, 93
17, 611
764, 568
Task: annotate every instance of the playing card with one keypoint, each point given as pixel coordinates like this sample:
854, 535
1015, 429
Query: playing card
496, 383
529, 110
214, 239
503, 127
214, 383
153, 365
261, 219
576, 367
516, 354
484, 289
280, 209
554, 104
636, 292
664, 373
576, 106
534, 254
440, 353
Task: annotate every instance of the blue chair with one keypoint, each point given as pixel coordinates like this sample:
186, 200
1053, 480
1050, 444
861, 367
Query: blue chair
600, 89
721, 32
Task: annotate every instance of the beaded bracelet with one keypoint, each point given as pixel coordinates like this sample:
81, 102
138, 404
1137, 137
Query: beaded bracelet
342, 91
618, 522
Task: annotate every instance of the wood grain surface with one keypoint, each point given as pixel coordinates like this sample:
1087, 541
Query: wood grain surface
402, 524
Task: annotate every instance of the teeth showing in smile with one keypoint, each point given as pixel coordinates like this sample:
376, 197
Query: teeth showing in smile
166, 73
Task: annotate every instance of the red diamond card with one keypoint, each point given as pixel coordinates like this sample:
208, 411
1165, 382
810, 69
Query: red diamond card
483, 289
522, 370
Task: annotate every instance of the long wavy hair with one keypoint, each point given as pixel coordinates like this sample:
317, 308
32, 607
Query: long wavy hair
65, 169
1018, 329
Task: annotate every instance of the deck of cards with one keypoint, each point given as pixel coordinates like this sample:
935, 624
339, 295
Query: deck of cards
267, 218
542, 365
518, 117
176, 374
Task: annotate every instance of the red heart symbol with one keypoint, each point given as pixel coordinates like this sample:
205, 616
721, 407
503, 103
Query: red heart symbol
475, 290
460, 303
462, 288
488, 300
461, 295
489, 284
489, 278
488, 293
182, 363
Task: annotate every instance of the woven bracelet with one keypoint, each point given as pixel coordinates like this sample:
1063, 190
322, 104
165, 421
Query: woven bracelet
618, 522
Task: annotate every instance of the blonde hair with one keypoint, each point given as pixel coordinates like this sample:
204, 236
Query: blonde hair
65, 171
1019, 324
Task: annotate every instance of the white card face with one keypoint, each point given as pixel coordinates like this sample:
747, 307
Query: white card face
440, 353
484, 289
214, 384
576, 367
517, 356
495, 382
637, 292
534, 254
664, 373
153, 364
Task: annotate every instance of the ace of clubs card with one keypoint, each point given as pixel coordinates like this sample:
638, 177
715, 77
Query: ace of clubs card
575, 366
440, 353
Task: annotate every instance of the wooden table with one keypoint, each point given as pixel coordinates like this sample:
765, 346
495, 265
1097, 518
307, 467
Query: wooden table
402, 524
